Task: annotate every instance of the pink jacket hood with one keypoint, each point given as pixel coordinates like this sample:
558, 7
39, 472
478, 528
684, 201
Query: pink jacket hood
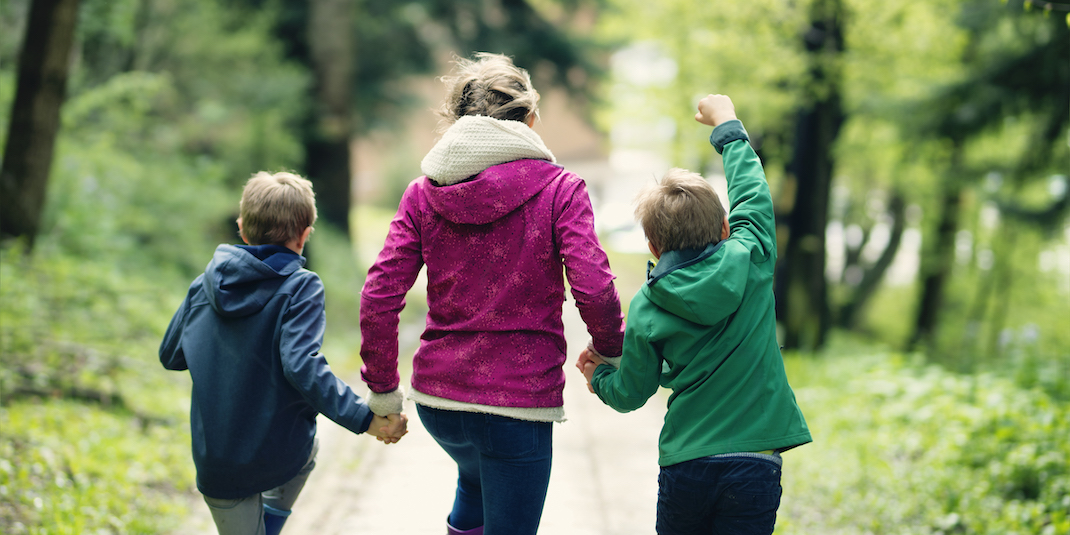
473, 188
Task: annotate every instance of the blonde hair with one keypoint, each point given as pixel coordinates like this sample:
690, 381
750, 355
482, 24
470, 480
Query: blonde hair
276, 208
682, 211
489, 85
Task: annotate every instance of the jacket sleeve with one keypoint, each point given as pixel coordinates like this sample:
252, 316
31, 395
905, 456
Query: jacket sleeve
629, 387
587, 269
300, 340
171, 354
751, 218
383, 297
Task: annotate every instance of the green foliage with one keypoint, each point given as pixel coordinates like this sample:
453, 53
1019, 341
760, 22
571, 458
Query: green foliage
68, 468
93, 436
688, 50
75, 325
171, 106
220, 87
902, 448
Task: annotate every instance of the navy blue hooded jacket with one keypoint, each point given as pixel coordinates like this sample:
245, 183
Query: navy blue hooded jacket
249, 332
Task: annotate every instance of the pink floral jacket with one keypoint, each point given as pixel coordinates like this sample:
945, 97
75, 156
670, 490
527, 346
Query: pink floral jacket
494, 246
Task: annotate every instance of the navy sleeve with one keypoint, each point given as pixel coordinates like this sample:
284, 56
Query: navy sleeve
171, 355
301, 338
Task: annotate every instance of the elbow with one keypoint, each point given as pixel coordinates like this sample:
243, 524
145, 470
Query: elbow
631, 404
622, 404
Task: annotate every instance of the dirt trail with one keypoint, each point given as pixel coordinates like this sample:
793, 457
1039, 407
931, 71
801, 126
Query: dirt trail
604, 478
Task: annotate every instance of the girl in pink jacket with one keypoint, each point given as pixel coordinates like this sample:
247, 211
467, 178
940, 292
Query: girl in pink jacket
495, 220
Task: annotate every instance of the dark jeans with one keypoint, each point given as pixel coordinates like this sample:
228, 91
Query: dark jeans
723, 495
503, 467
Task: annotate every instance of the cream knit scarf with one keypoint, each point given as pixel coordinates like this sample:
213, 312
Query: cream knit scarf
475, 142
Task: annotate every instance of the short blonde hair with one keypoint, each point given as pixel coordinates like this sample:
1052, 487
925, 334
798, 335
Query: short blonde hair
489, 85
681, 211
276, 208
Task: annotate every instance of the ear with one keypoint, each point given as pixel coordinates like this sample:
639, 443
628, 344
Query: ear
724, 228
304, 237
241, 233
653, 250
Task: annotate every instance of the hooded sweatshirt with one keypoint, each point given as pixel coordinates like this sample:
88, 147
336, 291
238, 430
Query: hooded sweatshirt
249, 332
704, 326
495, 221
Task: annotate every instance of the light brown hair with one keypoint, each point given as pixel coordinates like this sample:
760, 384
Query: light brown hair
681, 211
489, 85
276, 208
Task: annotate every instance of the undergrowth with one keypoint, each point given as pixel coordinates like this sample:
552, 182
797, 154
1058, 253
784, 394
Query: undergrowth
905, 448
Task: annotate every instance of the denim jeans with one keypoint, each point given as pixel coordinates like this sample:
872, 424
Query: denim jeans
245, 516
734, 494
503, 467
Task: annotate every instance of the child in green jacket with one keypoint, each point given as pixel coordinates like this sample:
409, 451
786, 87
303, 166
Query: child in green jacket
704, 326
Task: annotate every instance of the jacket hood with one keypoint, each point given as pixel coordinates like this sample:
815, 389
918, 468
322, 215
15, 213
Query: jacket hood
484, 168
703, 286
240, 280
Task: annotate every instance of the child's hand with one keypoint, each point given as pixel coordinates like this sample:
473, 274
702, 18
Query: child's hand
587, 364
388, 429
585, 356
715, 109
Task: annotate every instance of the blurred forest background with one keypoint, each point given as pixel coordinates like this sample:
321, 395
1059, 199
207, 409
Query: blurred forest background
917, 152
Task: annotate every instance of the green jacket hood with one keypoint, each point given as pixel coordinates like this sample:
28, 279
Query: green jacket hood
703, 286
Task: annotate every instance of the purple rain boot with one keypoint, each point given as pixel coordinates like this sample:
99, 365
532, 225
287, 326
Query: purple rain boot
450, 530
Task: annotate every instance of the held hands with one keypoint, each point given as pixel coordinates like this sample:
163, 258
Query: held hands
587, 364
388, 429
715, 109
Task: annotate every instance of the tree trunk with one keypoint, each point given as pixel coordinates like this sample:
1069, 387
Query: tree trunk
802, 294
327, 156
35, 116
936, 260
851, 311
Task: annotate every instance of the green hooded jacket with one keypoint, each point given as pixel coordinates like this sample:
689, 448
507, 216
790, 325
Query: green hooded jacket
704, 326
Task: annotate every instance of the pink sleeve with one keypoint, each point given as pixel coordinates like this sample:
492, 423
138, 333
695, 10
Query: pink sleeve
383, 297
587, 269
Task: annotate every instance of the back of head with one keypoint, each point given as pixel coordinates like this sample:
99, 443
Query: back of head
276, 208
681, 211
489, 85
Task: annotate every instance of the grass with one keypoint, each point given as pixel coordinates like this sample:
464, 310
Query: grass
901, 447
73, 468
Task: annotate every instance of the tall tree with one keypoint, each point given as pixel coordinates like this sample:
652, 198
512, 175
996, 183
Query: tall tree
331, 55
1028, 79
802, 294
35, 115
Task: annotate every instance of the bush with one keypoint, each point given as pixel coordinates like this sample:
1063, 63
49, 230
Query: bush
904, 448
70, 468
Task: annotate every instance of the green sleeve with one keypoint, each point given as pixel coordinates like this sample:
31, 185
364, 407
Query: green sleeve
628, 388
751, 218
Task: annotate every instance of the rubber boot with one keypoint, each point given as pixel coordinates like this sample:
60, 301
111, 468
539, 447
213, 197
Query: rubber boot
450, 530
274, 519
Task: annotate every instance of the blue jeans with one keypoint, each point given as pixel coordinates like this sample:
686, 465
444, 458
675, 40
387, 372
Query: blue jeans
735, 494
503, 467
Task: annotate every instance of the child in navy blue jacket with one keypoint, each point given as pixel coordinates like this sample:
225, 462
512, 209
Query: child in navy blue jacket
249, 332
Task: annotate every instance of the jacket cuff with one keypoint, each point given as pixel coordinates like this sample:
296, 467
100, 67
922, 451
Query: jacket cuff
384, 403
367, 422
726, 133
612, 361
